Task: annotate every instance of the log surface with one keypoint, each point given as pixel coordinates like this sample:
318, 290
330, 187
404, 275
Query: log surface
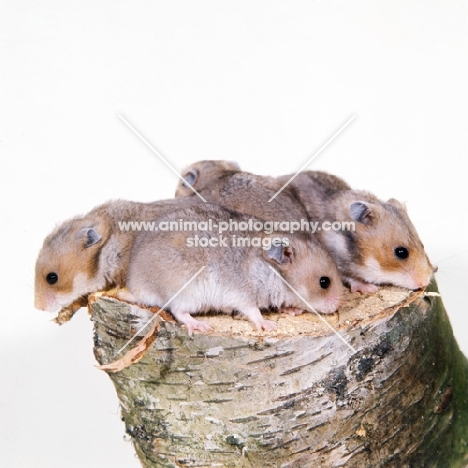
298, 397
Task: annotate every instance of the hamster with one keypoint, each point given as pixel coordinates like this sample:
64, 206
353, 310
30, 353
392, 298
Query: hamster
202, 174
383, 249
90, 253
223, 182
235, 277
318, 181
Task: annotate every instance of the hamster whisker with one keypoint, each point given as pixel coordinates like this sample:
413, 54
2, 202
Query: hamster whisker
449, 258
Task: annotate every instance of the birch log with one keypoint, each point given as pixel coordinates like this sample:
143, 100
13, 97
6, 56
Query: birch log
391, 391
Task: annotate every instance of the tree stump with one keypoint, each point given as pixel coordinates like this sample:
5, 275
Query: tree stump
297, 397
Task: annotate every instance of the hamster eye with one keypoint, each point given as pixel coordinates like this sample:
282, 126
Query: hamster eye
52, 278
324, 282
401, 252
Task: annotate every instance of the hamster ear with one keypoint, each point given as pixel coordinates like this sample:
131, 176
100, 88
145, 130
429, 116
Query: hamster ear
280, 254
89, 237
190, 178
235, 165
396, 203
362, 212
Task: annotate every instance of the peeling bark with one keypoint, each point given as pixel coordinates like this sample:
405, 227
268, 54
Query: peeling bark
298, 397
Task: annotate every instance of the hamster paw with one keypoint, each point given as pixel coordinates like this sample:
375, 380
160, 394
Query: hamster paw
254, 315
192, 325
64, 315
124, 295
360, 286
267, 325
292, 311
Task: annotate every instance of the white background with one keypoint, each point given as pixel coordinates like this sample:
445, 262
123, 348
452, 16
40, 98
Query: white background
265, 83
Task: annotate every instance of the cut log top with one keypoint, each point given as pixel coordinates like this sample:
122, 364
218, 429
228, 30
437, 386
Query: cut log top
359, 309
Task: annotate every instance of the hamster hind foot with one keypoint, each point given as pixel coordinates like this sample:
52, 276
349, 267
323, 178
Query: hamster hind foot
192, 324
255, 316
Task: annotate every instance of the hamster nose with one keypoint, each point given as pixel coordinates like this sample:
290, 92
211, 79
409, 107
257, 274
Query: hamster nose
421, 284
435, 269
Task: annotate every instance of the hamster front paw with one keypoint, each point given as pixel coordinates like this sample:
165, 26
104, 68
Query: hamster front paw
66, 313
267, 325
360, 286
292, 310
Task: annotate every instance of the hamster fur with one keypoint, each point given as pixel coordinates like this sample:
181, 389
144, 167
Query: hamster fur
383, 249
223, 182
90, 253
234, 277
367, 257
201, 174
318, 181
